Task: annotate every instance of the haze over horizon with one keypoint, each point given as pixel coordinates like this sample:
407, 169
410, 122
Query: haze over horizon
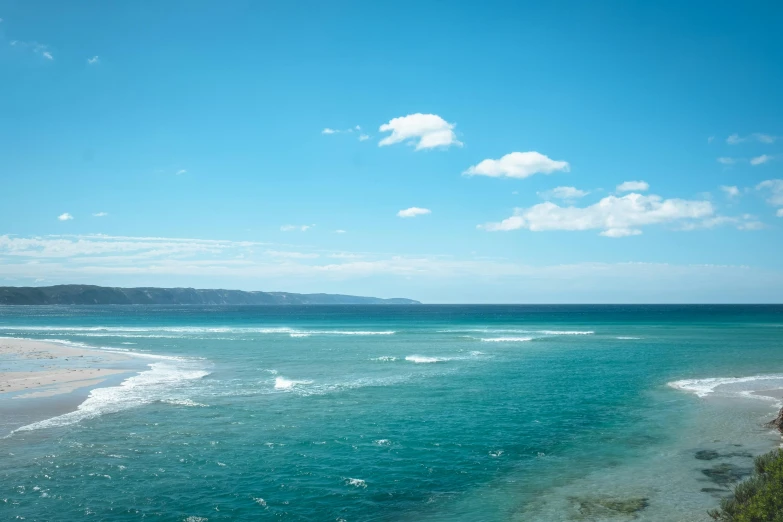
607, 152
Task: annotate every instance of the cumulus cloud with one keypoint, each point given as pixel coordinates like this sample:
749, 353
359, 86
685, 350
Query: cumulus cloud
615, 216
518, 165
426, 131
65, 216
723, 160
760, 160
731, 191
364, 137
564, 193
94, 60
300, 228
413, 212
100, 214
327, 130
774, 187
633, 186
735, 139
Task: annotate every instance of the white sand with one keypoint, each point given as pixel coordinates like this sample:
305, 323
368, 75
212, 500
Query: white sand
47, 369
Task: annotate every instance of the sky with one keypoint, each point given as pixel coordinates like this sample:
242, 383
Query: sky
451, 152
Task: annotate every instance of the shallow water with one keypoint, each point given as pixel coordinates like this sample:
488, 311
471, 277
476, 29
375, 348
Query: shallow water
401, 413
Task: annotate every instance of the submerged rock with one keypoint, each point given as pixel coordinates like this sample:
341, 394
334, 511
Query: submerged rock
726, 474
712, 454
589, 507
707, 454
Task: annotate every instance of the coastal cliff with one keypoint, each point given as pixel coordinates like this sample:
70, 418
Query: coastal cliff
101, 295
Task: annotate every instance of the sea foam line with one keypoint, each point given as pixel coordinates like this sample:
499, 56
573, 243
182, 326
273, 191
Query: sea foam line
163, 382
507, 339
704, 387
134, 331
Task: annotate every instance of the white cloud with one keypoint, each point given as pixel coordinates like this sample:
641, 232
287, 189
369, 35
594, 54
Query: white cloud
517, 165
301, 228
100, 214
779, 213
203, 263
735, 139
726, 161
621, 232
65, 216
413, 212
357, 128
633, 186
565, 193
94, 60
181, 171
743, 222
760, 160
731, 191
710, 139
615, 216
339, 231
427, 131
35, 47
775, 188
291, 255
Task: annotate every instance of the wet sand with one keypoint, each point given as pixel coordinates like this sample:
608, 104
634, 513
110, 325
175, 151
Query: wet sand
776, 393
44, 369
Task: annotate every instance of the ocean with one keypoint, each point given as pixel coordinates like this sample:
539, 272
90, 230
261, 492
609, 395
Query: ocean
396, 413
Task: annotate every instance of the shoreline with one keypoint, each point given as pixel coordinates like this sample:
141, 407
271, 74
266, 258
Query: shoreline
45, 379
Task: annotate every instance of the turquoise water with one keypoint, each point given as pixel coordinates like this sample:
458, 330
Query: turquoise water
399, 413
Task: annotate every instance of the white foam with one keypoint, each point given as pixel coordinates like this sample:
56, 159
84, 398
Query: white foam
164, 381
281, 383
136, 331
185, 402
383, 442
737, 386
420, 359
357, 483
567, 332
626, 338
507, 339
300, 335
384, 358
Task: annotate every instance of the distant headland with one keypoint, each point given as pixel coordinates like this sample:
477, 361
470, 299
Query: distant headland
102, 295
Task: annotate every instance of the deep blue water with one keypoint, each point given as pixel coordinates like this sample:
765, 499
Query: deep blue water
382, 413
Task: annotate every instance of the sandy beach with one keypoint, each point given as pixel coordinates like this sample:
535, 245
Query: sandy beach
44, 369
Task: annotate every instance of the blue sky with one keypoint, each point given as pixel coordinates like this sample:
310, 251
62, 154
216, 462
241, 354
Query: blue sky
479, 149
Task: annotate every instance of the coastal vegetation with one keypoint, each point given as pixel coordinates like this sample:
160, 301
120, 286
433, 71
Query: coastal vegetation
760, 497
102, 295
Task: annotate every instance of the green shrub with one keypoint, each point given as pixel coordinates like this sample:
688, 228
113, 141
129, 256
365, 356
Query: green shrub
758, 499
